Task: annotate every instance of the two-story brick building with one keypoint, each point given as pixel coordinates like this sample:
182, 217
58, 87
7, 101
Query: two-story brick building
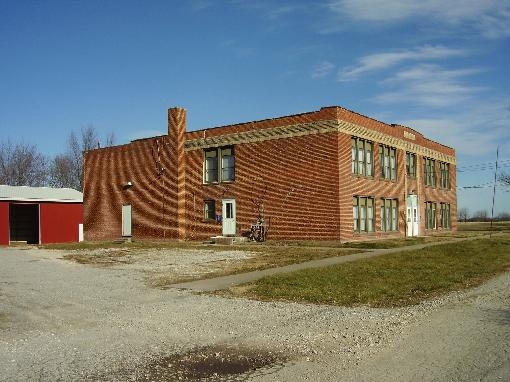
331, 174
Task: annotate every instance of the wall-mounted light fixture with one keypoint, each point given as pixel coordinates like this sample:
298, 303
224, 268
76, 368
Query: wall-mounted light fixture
127, 185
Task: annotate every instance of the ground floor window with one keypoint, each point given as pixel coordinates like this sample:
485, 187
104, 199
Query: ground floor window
389, 215
209, 210
430, 215
363, 214
446, 221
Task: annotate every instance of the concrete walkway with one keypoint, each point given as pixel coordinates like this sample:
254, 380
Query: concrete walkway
224, 282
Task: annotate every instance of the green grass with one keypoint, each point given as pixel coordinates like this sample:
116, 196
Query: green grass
483, 226
391, 280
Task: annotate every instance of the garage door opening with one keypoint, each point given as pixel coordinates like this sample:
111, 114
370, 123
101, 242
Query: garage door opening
24, 222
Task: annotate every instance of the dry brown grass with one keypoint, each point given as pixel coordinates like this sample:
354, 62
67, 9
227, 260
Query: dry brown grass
265, 257
101, 259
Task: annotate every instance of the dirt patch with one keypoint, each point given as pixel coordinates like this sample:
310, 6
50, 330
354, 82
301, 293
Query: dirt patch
212, 363
165, 266
3, 320
101, 258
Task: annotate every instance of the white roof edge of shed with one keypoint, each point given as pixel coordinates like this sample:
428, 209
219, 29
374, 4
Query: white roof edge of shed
39, 194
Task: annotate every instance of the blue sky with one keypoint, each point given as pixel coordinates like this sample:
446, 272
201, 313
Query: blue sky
438, 66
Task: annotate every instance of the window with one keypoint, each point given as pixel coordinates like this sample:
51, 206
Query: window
430, 215
227, 164
446, 221
411, 165
363, 214
361, 157
430, 172
211, 166
219, 165
389, 215
209, 210
388, 162
444, 172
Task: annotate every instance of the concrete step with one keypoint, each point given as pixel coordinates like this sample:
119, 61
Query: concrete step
228, 240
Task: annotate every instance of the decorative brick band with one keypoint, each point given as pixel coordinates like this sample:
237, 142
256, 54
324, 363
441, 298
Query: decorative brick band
321, 127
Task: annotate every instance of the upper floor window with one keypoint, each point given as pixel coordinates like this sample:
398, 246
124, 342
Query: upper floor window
388, 161
444, 172
219, 164
363, 214
361, 157
211, 166
430, 171
411, 165
227, 164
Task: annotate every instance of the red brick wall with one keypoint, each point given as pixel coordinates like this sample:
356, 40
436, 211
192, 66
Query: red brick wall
374, 186
379, 188
296, 180
153, 197
305, 183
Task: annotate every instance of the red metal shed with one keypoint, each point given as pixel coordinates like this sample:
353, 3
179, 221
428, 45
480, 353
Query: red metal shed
40, 215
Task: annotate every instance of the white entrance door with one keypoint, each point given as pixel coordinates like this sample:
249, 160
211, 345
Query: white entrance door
126, 220
413, 218
229, 217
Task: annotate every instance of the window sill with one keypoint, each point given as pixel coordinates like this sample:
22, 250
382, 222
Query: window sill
371, 177
217, 183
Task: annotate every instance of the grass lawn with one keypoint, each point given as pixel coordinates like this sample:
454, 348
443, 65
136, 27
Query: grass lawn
391, 280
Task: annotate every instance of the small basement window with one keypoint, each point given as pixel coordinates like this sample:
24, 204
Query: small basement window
209, 210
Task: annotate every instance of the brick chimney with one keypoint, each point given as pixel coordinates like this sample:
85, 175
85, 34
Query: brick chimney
177, 137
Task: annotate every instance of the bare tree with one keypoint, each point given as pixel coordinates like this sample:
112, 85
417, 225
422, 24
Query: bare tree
481, 216
505, 178
110, 139
22, 165
67, 168
61, 174
76, 147
504, 216
463, 214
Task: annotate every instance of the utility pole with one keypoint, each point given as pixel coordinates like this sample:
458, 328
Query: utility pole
494, 189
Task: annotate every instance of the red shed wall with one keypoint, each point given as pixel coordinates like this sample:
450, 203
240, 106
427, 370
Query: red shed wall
4, 223
59, 222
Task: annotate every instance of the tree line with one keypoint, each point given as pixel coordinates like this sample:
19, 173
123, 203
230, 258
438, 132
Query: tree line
21, 164
464, 215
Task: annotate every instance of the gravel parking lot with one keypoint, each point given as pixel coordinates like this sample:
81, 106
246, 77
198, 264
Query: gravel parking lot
63, 321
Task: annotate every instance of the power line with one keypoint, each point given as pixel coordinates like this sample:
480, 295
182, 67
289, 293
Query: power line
484, 166
499, 184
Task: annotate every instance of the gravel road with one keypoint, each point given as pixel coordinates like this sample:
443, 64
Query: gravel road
62, 321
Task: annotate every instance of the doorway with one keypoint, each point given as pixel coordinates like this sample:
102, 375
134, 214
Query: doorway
24, 223
412, 216
126, 220
229, 217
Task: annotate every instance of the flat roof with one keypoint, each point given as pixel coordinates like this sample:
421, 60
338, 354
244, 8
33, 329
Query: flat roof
39, 194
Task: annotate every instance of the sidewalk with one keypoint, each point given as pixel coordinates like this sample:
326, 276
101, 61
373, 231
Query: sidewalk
224, 282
